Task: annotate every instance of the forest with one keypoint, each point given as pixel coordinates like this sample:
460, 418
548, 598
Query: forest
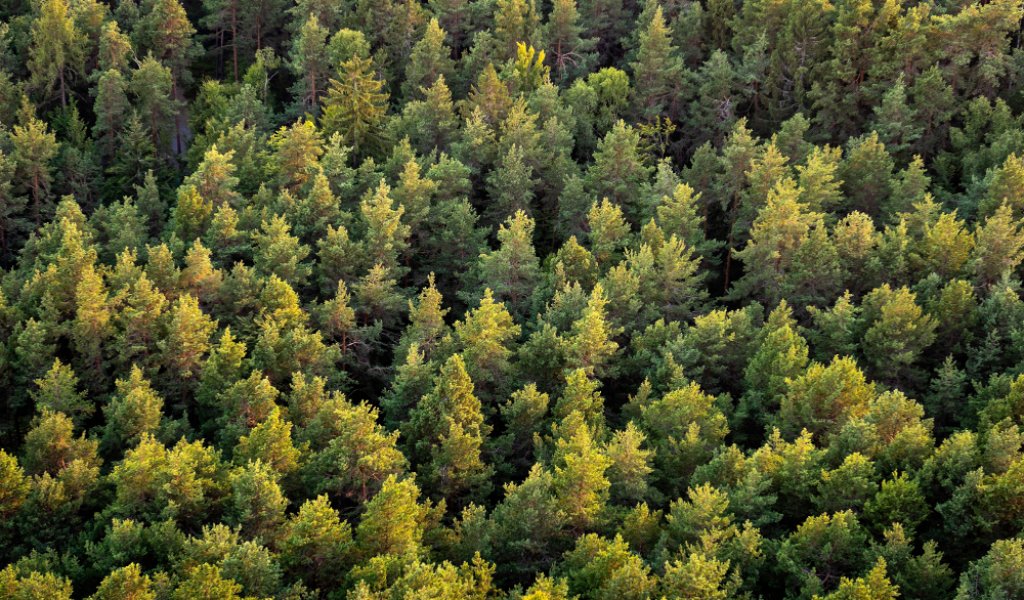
511, 299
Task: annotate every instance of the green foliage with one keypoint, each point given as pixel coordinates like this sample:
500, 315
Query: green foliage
511, 299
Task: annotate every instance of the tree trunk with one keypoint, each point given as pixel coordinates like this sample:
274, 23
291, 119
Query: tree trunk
234, 37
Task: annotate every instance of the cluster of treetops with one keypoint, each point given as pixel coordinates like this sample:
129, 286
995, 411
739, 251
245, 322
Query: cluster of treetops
511, 299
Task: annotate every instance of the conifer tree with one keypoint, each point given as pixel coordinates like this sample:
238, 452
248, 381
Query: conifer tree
571, 54
55, 56
657, 70
92, 325
590, 344
355, 107
393, 523
387, 235
34, 147
512, 271
188, 338
430, 60
135, 410
308, 62
111, 108
515, 22
998, 246
152, 84
619, 172
57, 392
165, 32
449, 432
279, 253
317, 544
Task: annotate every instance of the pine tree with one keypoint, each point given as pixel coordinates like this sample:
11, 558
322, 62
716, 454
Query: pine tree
781, 356
360, 454
511, 187
899, 330
528, 69
15, 486
165, 32
430, 60
257, 503
57, 392
387, 235
448, 432
91, 326
152, 84
618, 171
824, 398
279, 253
241, 406
818, 179
998, 246
270, 443
571, 54
138, 324
608, 232
12, 206
896, 122
427, 325
656, 71
579, 481
356, 106
34, 147
698, 576
778, 232
670, 284
134, 411
297, 151
188, 339
214, 178
512, 271
51, 447
807, 567
682, 426
114, 49
393, 522
590, 346
137, 161
308, 62
683, 214
111, 109
866, 172
630, 465
995, 574
515, 21
55, 56
486, 338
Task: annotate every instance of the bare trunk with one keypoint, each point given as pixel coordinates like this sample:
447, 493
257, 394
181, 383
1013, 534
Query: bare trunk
63, 91
35, 197
234, 38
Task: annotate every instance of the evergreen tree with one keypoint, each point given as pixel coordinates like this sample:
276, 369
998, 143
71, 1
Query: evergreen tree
308, 62
134, 411
430, 60
571, 54
619, 172
34, 147
55, 56
355, 107
512, 271
657, 71
449, 432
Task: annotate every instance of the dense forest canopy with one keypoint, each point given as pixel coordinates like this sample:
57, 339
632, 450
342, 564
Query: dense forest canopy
511, 299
